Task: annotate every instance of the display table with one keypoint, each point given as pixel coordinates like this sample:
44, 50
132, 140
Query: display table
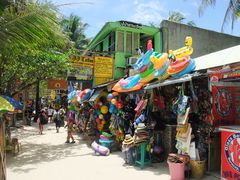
230, 152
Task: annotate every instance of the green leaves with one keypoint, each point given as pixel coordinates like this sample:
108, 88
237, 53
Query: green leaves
33, 45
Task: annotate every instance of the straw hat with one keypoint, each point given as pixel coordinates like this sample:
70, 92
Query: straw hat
141, 126
128, 139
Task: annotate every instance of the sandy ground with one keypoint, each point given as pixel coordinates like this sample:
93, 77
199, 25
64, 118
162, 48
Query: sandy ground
47, 157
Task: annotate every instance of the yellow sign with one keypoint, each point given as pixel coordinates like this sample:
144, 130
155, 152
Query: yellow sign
83, 61
103, 67
101, 80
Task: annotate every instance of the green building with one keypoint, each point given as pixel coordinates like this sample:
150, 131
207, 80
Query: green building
120, 40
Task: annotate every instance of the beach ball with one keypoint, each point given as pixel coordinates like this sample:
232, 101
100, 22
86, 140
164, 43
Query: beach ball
100, 116
109, 97
112, 108
113, 101
98, 112
100, 103
119, 105
104, 109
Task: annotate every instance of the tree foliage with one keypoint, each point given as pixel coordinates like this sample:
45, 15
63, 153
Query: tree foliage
75, 28
232, 12
33, 46
178, 17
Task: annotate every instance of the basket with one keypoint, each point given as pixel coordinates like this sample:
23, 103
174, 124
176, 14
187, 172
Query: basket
197, 168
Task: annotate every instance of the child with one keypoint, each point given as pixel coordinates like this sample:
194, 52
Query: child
71, 122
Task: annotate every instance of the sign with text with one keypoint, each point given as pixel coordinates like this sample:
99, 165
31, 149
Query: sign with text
230, 152
103, 67
101, 80
82, 61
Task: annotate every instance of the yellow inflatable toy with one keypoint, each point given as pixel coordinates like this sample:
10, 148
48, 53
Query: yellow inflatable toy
158, 59
187, 50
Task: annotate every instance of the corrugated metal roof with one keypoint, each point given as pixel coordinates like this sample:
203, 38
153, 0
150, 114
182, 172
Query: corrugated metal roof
220, 58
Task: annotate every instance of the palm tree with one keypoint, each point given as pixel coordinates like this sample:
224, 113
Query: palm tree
232, 12
75, 28
178, 17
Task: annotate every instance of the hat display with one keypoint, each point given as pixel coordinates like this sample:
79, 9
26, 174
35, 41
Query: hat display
141, 134
128, 140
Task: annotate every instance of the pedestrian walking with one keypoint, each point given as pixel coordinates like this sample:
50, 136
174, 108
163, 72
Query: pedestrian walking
42, 119
57, 119
70, 124
50, 114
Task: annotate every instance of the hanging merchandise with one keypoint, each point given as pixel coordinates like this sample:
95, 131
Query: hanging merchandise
158, 99
179, 107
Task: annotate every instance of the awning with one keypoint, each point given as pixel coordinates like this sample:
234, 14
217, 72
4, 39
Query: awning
95, 94
217, 59
185, 78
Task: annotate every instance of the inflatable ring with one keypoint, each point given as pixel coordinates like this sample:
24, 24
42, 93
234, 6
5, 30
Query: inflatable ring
107, 134
100, 149
158, 59
178, 65
191, 66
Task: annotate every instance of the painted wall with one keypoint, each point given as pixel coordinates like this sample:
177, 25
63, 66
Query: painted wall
204, 41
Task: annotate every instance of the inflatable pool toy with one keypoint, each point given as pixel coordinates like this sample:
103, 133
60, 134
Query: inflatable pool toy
107, 134
187, 50
106, 143
191, 66
129, 82
163, 70
142, 63
103, 137
118, 88
100, 149
148, 78
148, 71
158, 59
85, 94
178, 65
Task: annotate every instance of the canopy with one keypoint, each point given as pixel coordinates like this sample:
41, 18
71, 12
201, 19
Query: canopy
5, 105
185, 78
16, 104
220, 58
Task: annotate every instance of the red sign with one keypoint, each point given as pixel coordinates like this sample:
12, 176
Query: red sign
223, 105
230, 151
57, 84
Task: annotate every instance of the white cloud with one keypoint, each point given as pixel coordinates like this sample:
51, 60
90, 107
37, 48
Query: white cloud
145, 12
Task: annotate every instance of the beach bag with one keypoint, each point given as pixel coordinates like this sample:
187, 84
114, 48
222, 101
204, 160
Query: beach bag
180, 105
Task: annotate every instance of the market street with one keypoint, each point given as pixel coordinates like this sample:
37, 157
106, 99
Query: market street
45, 157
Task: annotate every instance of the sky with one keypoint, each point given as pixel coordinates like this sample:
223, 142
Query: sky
97, 12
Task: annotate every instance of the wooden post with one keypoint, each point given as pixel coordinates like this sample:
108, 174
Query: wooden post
2, 150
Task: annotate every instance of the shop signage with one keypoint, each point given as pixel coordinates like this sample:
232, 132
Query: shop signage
230, 155
55, 84
103, 67
226, 104
81, 61
101, 80
131, 24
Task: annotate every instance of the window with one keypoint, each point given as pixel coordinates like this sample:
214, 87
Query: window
120, 43
129, 42
111, 42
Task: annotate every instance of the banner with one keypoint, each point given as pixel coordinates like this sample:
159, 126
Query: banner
57, 84
225, 106
103, 67
230, 152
